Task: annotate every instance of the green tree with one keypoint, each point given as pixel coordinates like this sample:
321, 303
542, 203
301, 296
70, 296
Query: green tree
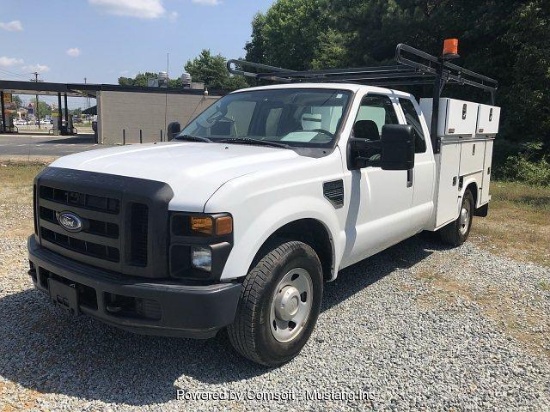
17, 101
43, 107
212, 71
288, 35
508, 40
140, 80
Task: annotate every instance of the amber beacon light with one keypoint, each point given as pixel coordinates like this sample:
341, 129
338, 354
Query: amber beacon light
450, 49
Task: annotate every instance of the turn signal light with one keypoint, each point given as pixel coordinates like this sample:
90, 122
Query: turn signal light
224, 225
202, 224
208, 225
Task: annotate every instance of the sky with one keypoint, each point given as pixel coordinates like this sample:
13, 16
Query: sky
101, 40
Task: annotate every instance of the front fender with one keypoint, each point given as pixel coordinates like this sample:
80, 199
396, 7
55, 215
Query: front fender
253, 228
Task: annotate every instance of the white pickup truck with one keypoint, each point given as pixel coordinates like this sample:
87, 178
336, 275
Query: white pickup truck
239, 220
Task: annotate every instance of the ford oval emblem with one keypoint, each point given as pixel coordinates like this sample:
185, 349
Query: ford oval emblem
69, 221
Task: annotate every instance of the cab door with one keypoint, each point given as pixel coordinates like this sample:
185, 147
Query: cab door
424, 165
379, 209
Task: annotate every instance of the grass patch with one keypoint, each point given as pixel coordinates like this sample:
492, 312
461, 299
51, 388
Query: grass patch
16, 216
535, 198
518, 224
19, 174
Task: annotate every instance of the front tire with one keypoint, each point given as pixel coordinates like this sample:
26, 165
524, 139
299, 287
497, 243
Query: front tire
456, 233
279, 305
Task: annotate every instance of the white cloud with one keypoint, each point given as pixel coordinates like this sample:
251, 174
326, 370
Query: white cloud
74, 52
9, 61
208, 2
173, 16
40, 68
12, 26
143, 9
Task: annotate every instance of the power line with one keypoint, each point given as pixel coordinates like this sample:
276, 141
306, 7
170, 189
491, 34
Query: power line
10, 73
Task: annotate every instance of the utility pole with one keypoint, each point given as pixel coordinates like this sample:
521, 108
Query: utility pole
36, 108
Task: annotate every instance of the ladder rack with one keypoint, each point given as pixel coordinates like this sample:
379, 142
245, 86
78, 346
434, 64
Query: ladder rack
415, 67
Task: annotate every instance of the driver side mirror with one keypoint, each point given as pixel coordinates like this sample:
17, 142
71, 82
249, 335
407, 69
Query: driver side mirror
397, 144
172, 130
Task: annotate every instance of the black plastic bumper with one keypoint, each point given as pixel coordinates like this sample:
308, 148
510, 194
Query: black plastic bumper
165, 308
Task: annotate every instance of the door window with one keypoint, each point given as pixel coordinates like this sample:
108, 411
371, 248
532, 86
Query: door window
374, 113
412, 119
378, 109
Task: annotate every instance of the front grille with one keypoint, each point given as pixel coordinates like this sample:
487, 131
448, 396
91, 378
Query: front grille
108, 221
138, 244
99, 237
95, 227
81, 246
81, 200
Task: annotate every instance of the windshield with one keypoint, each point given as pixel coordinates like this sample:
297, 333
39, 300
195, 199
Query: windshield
293, 117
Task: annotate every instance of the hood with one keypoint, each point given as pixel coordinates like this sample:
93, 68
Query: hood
194, 170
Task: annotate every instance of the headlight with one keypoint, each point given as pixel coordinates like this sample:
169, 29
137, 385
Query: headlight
201, 258
199, 245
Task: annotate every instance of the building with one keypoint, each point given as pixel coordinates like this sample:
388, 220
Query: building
125, 114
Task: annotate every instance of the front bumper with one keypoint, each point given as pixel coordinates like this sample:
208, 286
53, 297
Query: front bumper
145, 306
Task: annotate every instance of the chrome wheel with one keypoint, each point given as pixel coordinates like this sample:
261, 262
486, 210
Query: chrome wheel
464, 219
291, 305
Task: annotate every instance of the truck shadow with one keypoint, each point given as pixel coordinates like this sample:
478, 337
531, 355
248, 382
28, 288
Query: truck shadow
78, 139
45, 350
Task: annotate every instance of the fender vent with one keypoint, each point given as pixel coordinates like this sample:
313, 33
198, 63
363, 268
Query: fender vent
334, 191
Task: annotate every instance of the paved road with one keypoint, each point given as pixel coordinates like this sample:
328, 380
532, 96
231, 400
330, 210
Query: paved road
31, 146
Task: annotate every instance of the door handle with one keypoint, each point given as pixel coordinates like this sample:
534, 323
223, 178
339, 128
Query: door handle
410, 175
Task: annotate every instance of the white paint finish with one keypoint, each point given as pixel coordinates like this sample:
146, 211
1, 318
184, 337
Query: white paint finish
487, 170
194, 170
472, 156
378, 211
424, 175
447, 189
379, 208
266, 200
456, 117
488, 119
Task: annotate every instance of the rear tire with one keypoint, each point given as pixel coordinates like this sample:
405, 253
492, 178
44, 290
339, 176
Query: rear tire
456, 233
279, 305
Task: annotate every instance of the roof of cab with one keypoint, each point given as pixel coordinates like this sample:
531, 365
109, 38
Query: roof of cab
352, 87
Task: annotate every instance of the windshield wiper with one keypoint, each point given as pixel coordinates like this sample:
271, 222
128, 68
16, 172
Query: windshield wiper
193, 138
248, 140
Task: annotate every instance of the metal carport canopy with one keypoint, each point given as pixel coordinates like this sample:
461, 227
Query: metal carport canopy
48, 88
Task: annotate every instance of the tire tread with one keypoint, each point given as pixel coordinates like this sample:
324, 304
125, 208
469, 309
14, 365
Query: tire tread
242, 332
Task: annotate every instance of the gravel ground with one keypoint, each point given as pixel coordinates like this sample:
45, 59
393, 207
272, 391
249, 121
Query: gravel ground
417, 327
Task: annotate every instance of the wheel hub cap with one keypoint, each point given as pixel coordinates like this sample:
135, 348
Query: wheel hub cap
464, 220
291, 305
286, 303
